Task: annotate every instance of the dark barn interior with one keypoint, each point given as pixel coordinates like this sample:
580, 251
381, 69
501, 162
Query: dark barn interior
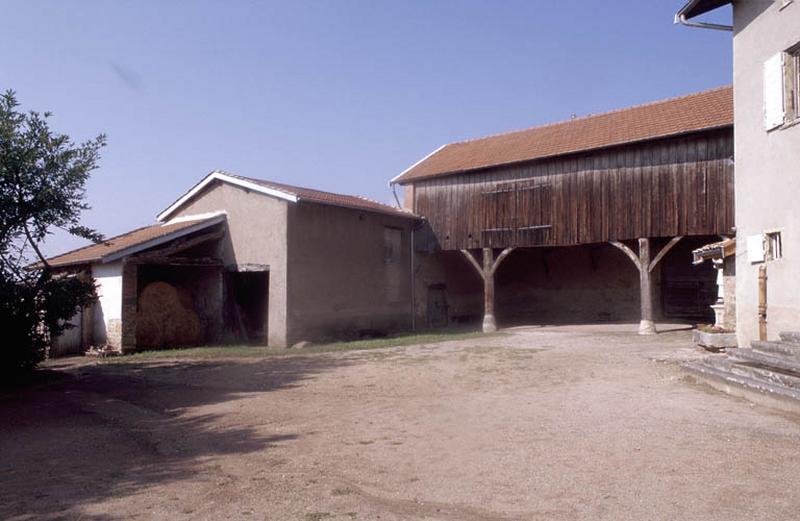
247, 305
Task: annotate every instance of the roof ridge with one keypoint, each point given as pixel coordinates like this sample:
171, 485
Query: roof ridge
590, 116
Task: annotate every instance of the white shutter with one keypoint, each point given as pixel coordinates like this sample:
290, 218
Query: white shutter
773, 92
755, 248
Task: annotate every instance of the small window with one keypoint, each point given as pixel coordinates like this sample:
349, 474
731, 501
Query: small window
791, 84
782, 88
393, 271
773, 246
392, 241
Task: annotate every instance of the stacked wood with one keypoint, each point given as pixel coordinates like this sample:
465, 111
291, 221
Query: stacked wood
166, 318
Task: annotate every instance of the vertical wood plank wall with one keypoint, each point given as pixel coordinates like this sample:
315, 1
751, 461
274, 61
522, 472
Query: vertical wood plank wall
664, 188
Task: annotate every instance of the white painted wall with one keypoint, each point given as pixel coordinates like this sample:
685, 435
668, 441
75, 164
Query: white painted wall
767, 169
108, 309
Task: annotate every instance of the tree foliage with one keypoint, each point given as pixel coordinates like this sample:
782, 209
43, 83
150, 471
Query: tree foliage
43, 176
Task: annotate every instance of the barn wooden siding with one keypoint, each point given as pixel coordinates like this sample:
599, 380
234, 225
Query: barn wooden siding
664, 188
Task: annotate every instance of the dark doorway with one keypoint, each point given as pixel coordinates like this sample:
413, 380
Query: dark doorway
249, 305
437, 306
688, 290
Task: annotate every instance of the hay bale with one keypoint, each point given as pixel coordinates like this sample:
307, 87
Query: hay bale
166, 318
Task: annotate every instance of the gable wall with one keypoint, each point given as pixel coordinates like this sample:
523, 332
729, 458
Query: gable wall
256, 234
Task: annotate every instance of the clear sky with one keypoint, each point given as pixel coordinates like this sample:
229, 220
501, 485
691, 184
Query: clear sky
336, 95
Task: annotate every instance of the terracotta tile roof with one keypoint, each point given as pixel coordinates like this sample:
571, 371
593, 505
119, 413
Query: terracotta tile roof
695, 112
317, 196
715, 250
96, 252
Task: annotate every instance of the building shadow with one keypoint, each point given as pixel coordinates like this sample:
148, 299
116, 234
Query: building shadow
112, 430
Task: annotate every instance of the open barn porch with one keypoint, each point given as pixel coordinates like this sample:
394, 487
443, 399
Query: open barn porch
584, 284
183, 294
167, 285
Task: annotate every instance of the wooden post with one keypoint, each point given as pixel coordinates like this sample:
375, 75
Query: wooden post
486, 272
645, 267
762, 302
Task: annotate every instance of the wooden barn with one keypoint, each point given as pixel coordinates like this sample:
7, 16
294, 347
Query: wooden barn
591, 219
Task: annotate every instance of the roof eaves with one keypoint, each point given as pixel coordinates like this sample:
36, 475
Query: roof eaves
396, 179
397, 212
86, 260
135, 248
695, 8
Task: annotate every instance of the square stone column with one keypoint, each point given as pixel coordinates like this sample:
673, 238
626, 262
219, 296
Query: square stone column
129, 304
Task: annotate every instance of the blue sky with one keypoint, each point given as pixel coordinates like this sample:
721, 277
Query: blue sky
336, 95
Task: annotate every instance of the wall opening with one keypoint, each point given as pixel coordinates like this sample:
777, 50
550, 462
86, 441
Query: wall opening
177, 306
248, 306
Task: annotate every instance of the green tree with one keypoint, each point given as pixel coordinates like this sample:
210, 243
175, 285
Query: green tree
43, 177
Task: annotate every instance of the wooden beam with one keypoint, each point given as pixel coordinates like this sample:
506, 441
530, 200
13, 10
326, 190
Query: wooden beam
490, 265
672, 242
643, 264
177, 261
473, 262
247, 267
627, 251
182, 245
762, 302
501, 258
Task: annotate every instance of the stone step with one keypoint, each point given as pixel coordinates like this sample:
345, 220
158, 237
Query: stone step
782, 363
763, 373
790, 337
753, 388
777, 348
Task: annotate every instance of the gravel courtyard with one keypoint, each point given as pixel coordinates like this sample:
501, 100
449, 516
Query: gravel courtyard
557, 423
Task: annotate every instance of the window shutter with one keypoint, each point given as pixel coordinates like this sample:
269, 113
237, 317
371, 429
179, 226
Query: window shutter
755, 249
773, 92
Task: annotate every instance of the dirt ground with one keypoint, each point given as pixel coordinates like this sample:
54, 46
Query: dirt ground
559, 423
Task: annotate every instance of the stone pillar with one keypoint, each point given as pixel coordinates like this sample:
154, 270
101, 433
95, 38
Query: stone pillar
646, 325
489, 323
129, 304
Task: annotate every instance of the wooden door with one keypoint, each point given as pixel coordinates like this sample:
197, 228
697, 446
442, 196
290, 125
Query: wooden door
437, 306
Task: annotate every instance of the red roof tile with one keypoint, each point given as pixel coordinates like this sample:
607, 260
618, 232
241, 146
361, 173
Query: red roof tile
695, 112
96, 252
317, 196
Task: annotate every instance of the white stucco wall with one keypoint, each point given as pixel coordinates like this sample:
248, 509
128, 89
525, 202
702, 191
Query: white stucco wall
767, 169
108, 309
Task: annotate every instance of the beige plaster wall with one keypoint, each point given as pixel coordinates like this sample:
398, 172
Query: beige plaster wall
257, 234
767, 169
338, 279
